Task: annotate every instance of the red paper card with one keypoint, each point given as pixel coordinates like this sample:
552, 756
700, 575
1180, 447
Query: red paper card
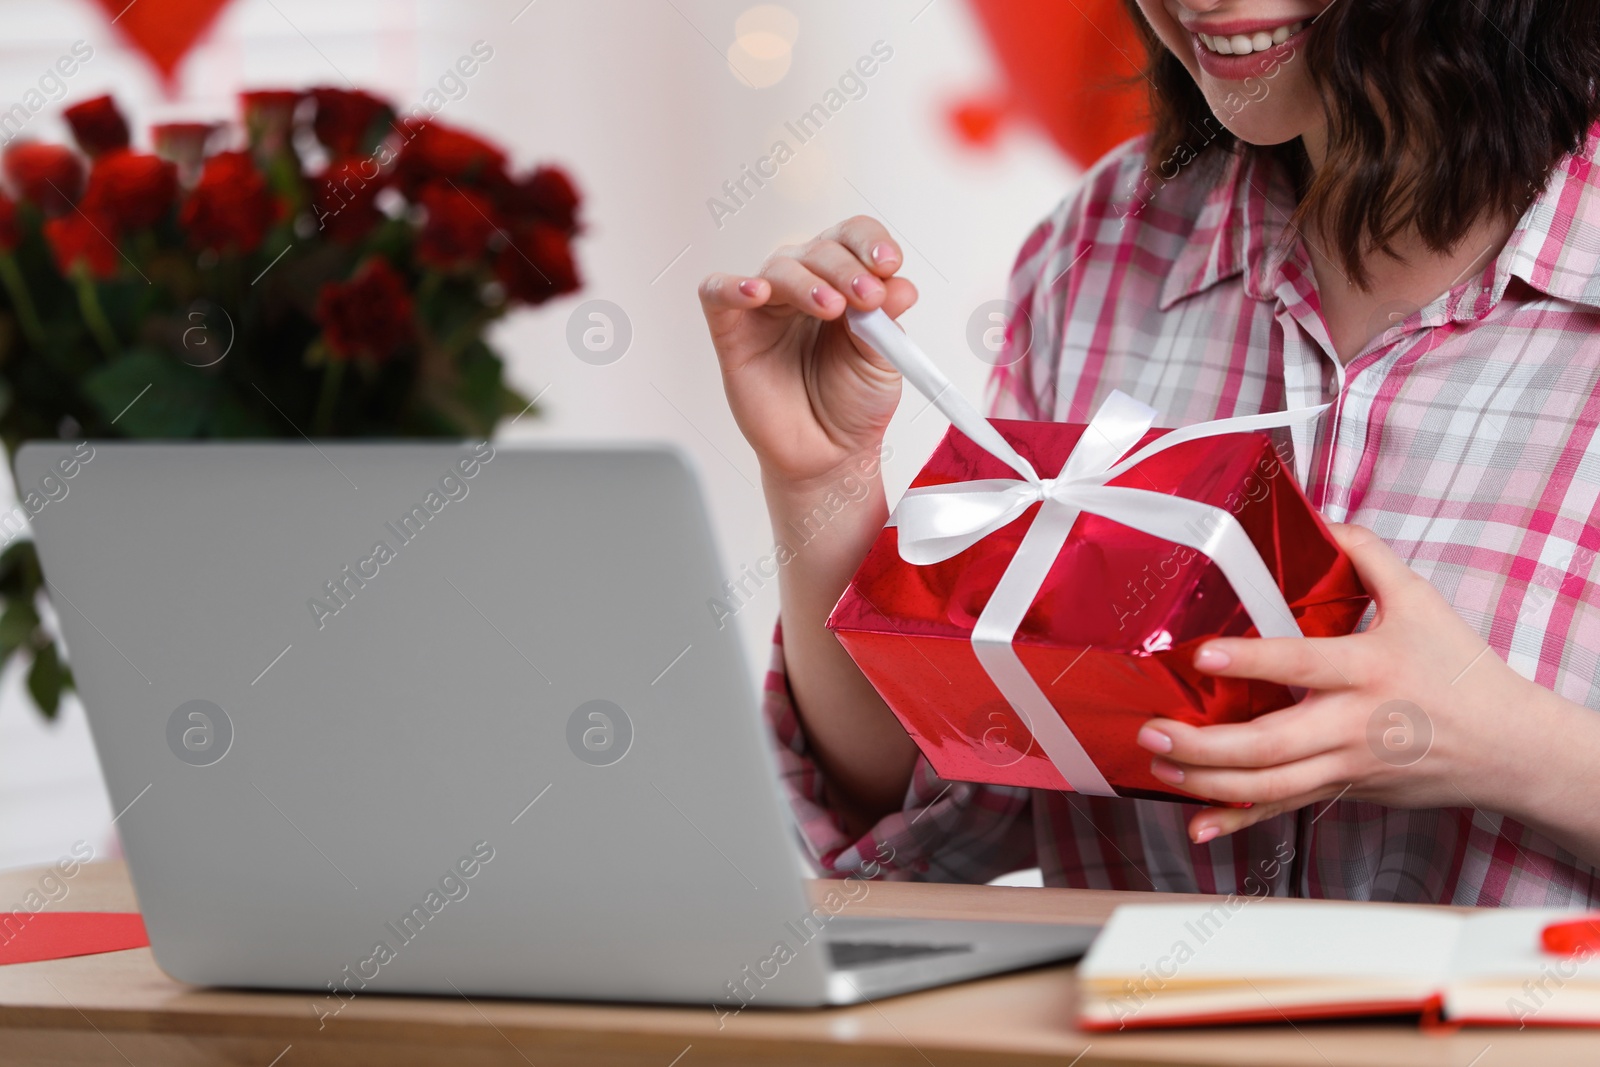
26, 937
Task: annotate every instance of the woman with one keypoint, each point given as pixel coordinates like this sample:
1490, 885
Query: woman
1389, 205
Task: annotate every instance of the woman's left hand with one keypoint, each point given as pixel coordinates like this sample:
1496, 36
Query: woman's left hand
1416, 711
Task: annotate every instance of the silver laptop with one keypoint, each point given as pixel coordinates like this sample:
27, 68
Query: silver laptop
450, 719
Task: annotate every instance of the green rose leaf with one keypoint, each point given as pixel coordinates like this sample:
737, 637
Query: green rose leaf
46, 678
19, 570
175, 397
480, 388
17, 624
231, 418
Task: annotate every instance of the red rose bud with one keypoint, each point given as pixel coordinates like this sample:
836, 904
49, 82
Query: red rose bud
49, 175
183, 143
131, 189
368, 317
344, 198
458, 227
435, 151
97, 126
230, 208
269, 118
537, 264
547, 195
78, 238
10, 231
346, 118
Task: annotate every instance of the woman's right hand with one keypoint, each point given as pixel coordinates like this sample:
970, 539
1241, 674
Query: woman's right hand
814, 403
806, 393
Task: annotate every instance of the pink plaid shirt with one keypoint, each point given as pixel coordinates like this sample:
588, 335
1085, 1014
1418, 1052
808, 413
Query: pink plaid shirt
1464, 435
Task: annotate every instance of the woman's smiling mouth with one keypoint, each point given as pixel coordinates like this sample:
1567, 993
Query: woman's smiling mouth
1242, 44
1238, 51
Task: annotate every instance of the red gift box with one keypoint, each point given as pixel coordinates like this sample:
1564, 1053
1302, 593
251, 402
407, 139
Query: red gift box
1110, 638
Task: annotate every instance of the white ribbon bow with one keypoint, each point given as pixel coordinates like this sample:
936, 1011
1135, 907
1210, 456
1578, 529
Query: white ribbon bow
937, 522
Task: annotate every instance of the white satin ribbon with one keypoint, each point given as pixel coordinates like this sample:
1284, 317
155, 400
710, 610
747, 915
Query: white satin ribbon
937, 522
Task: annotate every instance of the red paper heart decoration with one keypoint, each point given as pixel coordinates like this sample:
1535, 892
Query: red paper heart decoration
1074, 68
163, 30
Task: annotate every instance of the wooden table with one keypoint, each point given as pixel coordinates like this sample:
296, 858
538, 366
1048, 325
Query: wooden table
119, 1009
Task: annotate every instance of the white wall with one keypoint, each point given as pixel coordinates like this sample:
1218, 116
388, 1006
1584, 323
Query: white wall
638, 100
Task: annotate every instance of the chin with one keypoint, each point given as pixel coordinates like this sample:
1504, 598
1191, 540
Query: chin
1261, 130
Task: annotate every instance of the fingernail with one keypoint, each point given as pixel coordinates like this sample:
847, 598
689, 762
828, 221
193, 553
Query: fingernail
750, 287
1167, 772
1207, 834
882, 253
1154, 740
822, 295
866, 286
1212, 659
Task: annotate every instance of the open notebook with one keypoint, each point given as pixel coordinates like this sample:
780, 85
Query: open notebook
1247, 961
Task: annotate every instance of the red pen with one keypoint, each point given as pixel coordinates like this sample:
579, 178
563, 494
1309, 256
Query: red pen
1573, 937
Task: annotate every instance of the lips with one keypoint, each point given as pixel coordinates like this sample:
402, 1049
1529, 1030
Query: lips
1234, 53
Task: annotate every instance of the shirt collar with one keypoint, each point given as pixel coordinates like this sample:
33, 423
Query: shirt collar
1239, 229
1555, 247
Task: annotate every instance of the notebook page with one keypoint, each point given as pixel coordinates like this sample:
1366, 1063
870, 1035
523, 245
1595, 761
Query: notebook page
1242, 940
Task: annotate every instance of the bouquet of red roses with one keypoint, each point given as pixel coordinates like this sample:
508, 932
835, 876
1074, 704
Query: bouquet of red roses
331, 273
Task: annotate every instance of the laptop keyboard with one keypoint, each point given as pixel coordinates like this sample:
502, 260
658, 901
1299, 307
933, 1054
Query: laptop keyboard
851, 955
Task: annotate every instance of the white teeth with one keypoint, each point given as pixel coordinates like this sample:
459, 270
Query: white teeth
1244, 45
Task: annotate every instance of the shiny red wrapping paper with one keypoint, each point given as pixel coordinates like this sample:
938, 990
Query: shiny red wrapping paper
1111, 637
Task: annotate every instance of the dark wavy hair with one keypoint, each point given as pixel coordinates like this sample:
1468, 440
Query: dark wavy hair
1439, 113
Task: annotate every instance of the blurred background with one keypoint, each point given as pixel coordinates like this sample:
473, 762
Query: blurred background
651, 106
